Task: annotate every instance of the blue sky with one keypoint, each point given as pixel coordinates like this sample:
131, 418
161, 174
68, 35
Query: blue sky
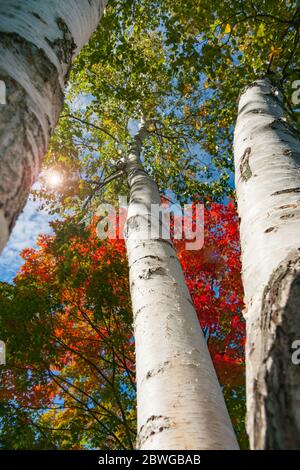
30, 224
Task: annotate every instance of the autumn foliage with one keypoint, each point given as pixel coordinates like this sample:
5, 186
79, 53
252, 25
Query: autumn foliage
69, 380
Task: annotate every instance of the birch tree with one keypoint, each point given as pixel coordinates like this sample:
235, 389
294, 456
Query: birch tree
38, 43
179, 400
267, 162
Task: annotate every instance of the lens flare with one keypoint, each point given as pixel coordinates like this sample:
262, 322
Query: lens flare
53, 178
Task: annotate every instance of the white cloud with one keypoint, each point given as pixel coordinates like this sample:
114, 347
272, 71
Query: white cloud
30, 224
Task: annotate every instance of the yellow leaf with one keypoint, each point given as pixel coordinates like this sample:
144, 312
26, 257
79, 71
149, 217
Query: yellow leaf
107, 121
227, 28
261, 30
274, 52
198, 124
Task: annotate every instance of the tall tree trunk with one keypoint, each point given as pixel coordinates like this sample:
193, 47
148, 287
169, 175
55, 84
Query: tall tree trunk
267, 163
38, 40
179, 400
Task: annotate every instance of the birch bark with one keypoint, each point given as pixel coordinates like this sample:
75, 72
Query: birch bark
267, 164
38, 41
179, 401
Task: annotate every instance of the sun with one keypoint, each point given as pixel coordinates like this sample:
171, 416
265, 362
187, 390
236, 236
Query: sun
53, 178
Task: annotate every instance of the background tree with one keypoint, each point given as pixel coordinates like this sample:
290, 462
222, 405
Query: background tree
67, 324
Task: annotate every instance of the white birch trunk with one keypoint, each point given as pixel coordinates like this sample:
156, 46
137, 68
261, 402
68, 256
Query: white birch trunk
38, 40
267, 163
179, 401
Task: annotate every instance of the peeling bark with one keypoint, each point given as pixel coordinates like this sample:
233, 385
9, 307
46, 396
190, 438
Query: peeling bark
281, 326
269, 210
38, 41
245, 169
179, 400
